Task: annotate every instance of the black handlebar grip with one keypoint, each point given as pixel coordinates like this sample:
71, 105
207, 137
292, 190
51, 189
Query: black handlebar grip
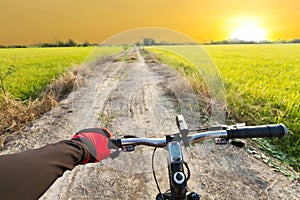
114, 143
274, 130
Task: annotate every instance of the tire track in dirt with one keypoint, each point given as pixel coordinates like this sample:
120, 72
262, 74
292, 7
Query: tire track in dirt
143, 99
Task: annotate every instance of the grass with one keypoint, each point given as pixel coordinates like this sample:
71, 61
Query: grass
128, 57
26, 72
186, 59
262, 86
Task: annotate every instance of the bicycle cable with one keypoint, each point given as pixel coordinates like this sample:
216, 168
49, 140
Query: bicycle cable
153, 171
188, 170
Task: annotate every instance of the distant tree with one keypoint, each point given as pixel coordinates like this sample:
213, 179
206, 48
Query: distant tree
149, 41
85, 44
17, 46
60, 44
48, 45
44, 45
138, 43
70, 43
295, 41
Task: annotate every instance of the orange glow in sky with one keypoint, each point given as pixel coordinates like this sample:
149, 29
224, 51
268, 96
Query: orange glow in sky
37, 21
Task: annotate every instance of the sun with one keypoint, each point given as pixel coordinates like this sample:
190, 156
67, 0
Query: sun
249, 31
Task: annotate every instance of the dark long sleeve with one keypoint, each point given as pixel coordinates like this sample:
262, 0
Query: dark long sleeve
27, 175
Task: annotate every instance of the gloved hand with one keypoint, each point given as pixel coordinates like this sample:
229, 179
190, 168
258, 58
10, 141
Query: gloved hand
96, 141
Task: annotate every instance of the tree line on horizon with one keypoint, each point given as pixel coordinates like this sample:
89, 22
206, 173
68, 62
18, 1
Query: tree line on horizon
150, 42
69, 43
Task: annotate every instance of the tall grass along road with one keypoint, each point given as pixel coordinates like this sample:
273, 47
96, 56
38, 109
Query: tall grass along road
262, 86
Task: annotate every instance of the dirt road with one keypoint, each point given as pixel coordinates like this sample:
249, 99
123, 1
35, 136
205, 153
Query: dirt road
143, 99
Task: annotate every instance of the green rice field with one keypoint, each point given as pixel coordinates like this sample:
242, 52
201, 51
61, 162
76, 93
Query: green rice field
25, 72
262, 84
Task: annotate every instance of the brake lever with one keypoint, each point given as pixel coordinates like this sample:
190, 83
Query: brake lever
237, 143
117, 151
223, 141
114, 154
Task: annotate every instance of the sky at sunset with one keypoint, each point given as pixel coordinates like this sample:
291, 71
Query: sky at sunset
37, 21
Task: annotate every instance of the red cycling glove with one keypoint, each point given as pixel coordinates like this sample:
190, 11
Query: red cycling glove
96, 141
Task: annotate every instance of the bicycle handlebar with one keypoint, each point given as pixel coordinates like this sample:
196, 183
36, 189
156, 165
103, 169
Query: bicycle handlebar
231, 132
274, 130
177, 178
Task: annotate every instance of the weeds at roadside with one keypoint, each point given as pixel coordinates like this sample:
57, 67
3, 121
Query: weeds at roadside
133, 57
273, 162
15, 114
106, 118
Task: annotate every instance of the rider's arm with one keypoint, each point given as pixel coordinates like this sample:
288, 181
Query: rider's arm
27, 175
